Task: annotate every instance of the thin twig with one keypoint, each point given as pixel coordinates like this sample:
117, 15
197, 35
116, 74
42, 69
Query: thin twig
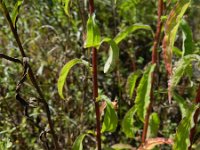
10, 58
154, 61
31, 75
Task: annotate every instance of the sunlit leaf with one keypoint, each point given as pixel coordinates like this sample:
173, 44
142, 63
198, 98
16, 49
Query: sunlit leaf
188, 45
182, 137
177, 51
15, 12
143, 92
123, 34
110, 118
154, 123
132, 78
93, 38
64, 72
66, 8
78, 145
182, 67
171, 28
113, 55
151, 143
128, 123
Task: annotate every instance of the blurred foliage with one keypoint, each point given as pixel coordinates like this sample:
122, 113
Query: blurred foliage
51, 38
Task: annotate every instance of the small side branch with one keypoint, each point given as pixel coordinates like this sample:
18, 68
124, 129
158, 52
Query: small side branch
10, 59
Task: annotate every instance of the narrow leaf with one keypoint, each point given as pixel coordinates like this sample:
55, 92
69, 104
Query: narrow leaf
66, 8
188, 44
154, 123
171, 28
64, 72
15, 12
93, 38
132, 78
113, 55
110, 119
122, 35
78, 145
143, 92
182, 141
128, 123
122, 146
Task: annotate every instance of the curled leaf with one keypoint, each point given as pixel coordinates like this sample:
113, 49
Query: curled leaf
78, 145
113, 55
125, 32
171, 28
15, 12
64, 72
93, 37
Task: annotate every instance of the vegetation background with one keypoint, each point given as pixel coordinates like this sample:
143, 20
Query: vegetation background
51, 38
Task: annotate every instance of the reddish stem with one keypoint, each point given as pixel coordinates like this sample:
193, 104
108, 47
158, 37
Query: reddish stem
154, 61
95, 85
193, 130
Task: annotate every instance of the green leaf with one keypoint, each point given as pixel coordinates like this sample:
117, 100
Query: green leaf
93, 38
113, 55
122, 35
15, 12
182, 67
154, 123
64, 72
66, 8
171, 27
143, 92
110, 119
182, 103
182, 137
177, 51
78, 145
128, 123
188, 44
132, 78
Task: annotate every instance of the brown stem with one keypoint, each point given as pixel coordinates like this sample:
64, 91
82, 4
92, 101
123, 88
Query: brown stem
95, 85
196, 115
31, 75
154, 61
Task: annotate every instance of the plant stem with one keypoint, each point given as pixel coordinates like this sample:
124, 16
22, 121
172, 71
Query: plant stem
31, 75
196, 115
95, 85
154, 61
